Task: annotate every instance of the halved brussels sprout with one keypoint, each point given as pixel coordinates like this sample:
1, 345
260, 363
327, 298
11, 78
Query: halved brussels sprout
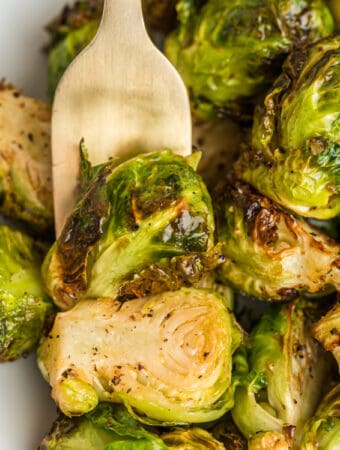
282, 374
229, 53
322, 432
270, 254
25, 160
111, 427
167, 357
141, 227
295, 158
24, 307
327, 332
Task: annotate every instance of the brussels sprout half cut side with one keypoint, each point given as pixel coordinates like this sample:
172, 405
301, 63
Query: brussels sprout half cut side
167, 357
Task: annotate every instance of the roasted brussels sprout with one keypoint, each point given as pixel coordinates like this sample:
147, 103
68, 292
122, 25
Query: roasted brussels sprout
295, 159
270, 254
25, 160
229, 53
24, 308
167, 357
322, 432
111, 427
140, 228
281, 375
327, 332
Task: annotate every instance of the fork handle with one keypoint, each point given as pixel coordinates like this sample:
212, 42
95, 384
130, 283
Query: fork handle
123, 18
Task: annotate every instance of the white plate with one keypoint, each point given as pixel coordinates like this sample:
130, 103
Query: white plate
26, 411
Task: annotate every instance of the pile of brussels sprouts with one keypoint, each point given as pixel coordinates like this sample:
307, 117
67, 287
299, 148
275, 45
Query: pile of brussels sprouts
169, 314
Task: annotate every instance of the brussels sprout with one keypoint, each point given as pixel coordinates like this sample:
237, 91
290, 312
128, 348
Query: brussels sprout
283, 382
25, 160
322, 432
327, 332
140, 228
271, 254
166, 357
110, 427
229, 53
295, 158
24, 307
